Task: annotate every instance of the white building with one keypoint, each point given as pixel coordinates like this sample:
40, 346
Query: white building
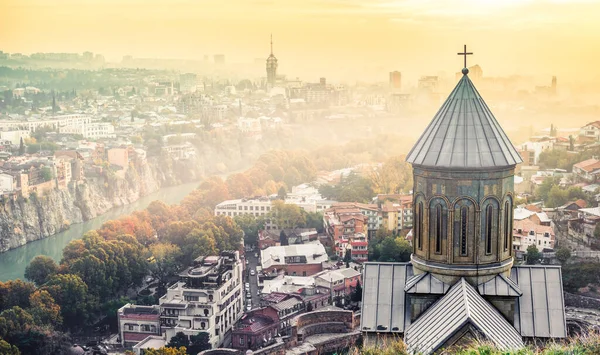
7, 183
14, 136
534, 149
207, 298
90, 130
53, 122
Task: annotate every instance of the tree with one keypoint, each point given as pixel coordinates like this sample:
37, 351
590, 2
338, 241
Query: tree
533, 255
44, 309
14, 320
563, 254
47, 173
179, 340
393, 249
21, 147
71, 293
348, 256
15, 293
281, 193
571, 143
287, 215
40, 269
199, 342
165, 261
357, 293
7, 349
251, 225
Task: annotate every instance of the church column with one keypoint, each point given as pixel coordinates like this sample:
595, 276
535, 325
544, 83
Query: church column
477, 239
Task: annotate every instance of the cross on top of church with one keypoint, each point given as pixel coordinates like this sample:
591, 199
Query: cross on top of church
465, 54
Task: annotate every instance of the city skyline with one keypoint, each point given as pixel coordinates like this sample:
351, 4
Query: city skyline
324, 37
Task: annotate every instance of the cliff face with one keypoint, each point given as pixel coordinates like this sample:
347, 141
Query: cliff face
38, 217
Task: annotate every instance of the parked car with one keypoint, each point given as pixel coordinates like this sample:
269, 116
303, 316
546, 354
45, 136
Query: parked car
248, 307
247, 286
252, 272
248, 295
256, 255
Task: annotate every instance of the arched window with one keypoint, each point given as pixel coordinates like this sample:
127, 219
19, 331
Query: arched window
488, 229
438, 229
464, 222
507, 229
419, 226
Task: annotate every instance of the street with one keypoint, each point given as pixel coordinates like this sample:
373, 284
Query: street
252, 280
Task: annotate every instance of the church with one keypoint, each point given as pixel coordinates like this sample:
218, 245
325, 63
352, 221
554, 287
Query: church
461, 283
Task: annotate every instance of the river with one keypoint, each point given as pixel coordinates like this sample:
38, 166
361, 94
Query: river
14, 262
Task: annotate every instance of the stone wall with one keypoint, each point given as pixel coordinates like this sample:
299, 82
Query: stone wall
578, 301
324, 316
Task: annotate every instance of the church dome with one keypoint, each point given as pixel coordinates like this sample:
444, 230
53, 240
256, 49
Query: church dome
464, 134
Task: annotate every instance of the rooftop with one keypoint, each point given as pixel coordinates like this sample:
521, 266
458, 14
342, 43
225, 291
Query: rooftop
464, 135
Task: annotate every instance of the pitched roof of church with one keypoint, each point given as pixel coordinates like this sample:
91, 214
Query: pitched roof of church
462, 305
464, 135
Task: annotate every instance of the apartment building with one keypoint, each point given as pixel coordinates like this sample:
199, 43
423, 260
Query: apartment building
526, 232
343, 223
295, 260
207, 298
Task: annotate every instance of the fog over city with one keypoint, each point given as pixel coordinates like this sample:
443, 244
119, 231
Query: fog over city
299, 177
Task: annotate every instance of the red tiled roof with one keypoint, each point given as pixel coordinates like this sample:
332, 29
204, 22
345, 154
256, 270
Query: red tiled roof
588, 165
581, 203
526, 225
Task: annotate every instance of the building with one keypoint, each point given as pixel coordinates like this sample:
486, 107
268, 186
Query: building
587, 170
180, 151
53, 122
7, 183
461, 283
343, 223
590, 132
90, 130
526, 232
14, 136
295, 260
258, 207
395, 81
256, 329
340, 282
207, 298
118, 157
151, 342
188, 83
271, 67
137, 323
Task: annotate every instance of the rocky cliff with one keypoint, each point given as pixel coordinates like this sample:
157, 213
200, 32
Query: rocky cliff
37, 217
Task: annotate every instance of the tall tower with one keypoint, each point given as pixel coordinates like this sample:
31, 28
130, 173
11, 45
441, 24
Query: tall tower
463, 202
271, 67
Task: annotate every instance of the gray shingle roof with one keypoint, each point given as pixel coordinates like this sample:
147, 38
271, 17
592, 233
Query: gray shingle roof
540, 310
384, 302
464, 135
461, 306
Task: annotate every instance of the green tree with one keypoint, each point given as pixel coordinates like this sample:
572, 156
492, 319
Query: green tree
165, 261
251, 225
71, 294
15, 293
165, 351
282, 193
179, 340
357, 293
14, 320
533, 255
40, 269
199, 342
7, 349
47, 173
394, 249
21, 147
563, 255
287, 215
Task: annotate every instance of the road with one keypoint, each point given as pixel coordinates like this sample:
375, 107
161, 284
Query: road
252, 280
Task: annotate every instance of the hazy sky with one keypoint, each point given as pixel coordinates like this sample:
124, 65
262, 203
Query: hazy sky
540, 37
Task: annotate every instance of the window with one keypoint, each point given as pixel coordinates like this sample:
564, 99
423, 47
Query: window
507, 229
488, 229
438, 229
202, 325
419, 230
464, 217
130, 327
241, 340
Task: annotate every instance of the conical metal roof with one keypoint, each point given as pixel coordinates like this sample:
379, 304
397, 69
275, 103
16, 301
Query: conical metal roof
464, 135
